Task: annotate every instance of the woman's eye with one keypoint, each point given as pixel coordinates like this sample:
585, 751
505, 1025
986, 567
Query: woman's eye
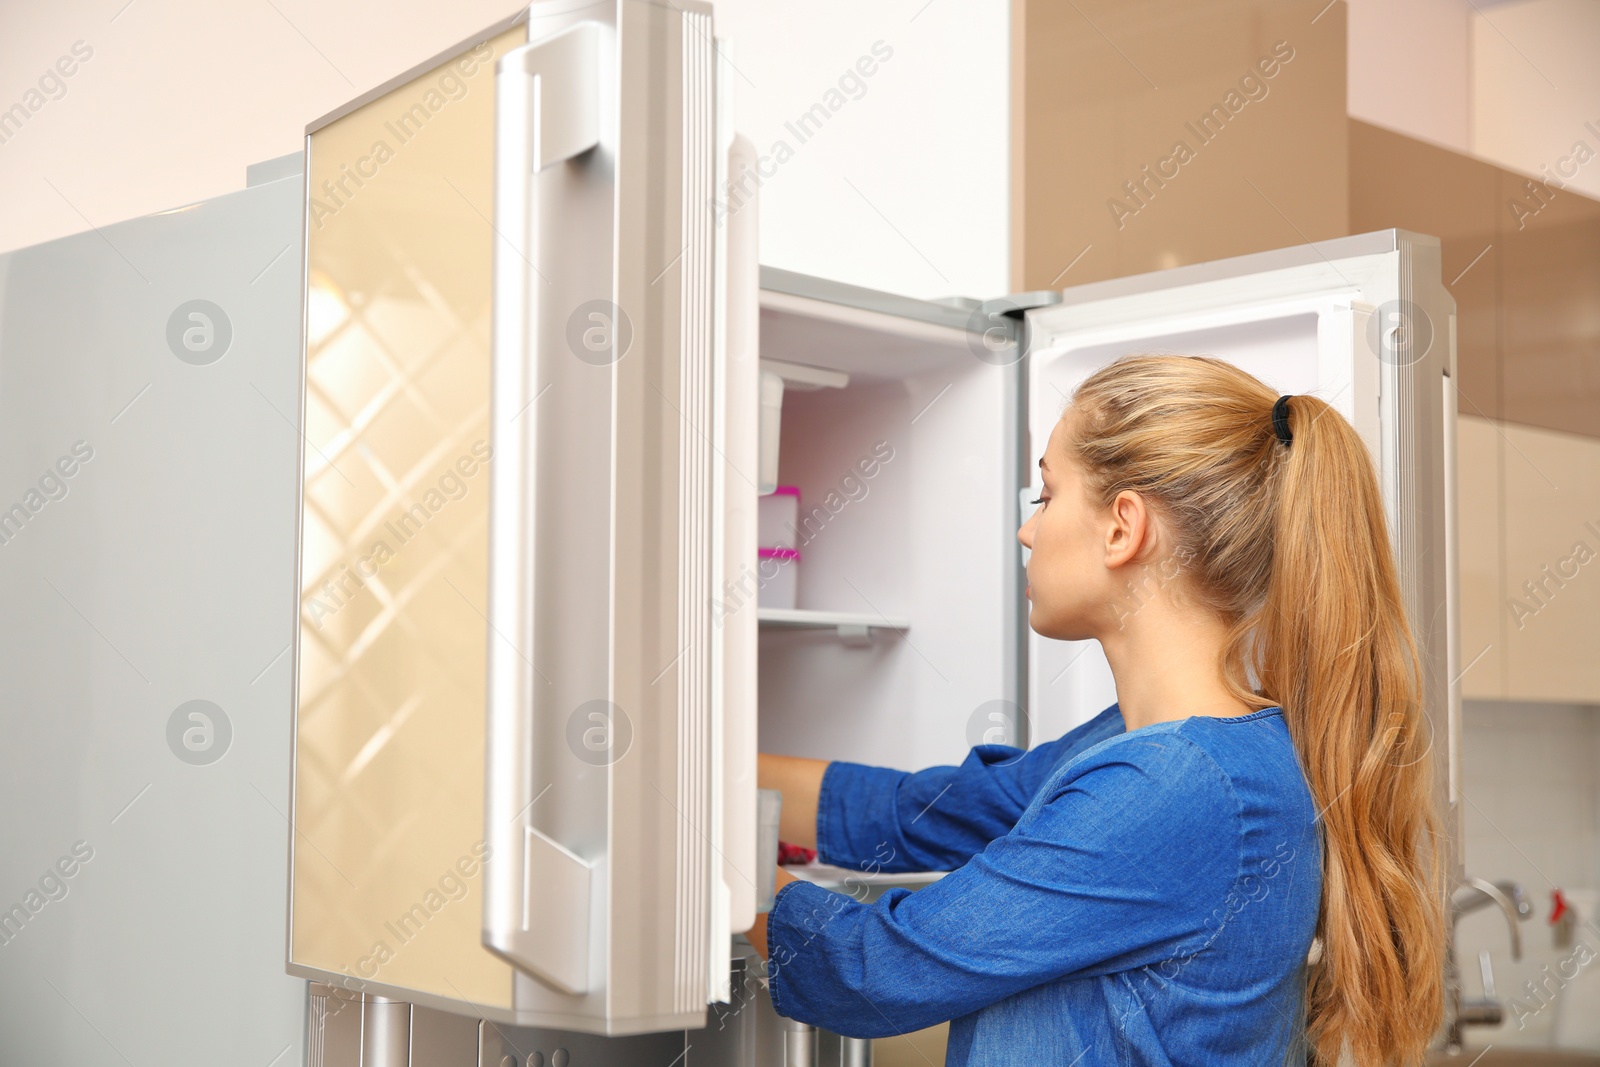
1041, 500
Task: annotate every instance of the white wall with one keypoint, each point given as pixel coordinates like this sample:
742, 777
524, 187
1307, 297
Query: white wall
904, 188
179, 96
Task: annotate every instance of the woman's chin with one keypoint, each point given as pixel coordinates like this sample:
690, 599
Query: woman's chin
1041, 623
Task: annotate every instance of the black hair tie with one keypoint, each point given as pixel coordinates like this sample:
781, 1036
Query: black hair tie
1280, 419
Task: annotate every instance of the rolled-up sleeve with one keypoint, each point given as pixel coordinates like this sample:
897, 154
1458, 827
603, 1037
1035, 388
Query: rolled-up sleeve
937, 819
1123, 861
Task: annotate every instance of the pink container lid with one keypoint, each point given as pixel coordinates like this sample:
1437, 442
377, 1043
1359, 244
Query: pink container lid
778, 553
787, 490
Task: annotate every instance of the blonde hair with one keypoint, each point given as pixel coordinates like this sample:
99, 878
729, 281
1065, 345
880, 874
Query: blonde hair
1289, 546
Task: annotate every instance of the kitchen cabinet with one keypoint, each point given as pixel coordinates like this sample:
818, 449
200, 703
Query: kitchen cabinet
1530, 512
532, 672
1522, 265
1522, 261
1146, 136
1552, 510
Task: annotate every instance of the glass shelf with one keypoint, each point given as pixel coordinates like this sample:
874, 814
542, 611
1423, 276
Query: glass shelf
862, 885
854, 627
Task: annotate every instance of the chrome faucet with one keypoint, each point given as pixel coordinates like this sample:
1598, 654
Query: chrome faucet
1471, 895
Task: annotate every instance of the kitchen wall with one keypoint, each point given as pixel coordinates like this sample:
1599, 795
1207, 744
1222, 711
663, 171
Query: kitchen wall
1531, 781
1410, 68
1167, 132
1512, 82
1525, 273
1536, 90
899, 182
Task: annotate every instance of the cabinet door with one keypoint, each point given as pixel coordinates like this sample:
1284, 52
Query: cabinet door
1364, 323
608, 886
1549, 608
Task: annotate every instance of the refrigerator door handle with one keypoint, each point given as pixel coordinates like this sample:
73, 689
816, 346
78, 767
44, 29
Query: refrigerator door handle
547, 97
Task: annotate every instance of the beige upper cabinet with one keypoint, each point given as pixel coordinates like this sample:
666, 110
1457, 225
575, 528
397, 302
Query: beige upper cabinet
1529, 526
1551, 608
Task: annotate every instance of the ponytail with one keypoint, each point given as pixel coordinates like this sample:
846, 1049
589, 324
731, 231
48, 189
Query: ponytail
1288, 544
1335, 652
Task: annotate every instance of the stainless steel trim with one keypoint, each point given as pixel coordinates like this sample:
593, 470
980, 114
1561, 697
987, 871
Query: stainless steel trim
353, 989
855, 1052
501, 1046
494, 29
443, 1039
299, 551
1017, 473
385, 1033
799, 1044
333, 1026
1363, 244
809, 287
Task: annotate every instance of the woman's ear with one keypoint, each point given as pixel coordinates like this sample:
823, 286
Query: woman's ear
1127, 530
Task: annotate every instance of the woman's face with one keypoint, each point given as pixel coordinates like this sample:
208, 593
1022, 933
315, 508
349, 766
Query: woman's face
1070, 587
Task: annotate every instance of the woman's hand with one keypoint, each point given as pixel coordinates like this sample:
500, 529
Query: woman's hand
799, 780
758, 933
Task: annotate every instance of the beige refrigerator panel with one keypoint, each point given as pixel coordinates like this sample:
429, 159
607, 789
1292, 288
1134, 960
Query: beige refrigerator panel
516, 711
387, 859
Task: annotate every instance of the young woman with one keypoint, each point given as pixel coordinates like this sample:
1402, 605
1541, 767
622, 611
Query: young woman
1234, 863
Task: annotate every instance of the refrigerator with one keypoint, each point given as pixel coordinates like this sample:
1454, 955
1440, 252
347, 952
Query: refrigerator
539, 397
148, 392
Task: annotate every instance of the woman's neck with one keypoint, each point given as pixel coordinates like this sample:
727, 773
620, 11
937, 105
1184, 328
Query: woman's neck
1166, 661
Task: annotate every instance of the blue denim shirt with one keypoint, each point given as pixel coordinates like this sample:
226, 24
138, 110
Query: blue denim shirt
1115, 897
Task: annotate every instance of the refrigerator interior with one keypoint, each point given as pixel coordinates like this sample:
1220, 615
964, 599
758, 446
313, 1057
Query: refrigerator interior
907, 480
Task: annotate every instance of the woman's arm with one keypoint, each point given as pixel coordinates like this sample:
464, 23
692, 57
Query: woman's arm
757, 936
1129, 863
939, 818
799, 780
